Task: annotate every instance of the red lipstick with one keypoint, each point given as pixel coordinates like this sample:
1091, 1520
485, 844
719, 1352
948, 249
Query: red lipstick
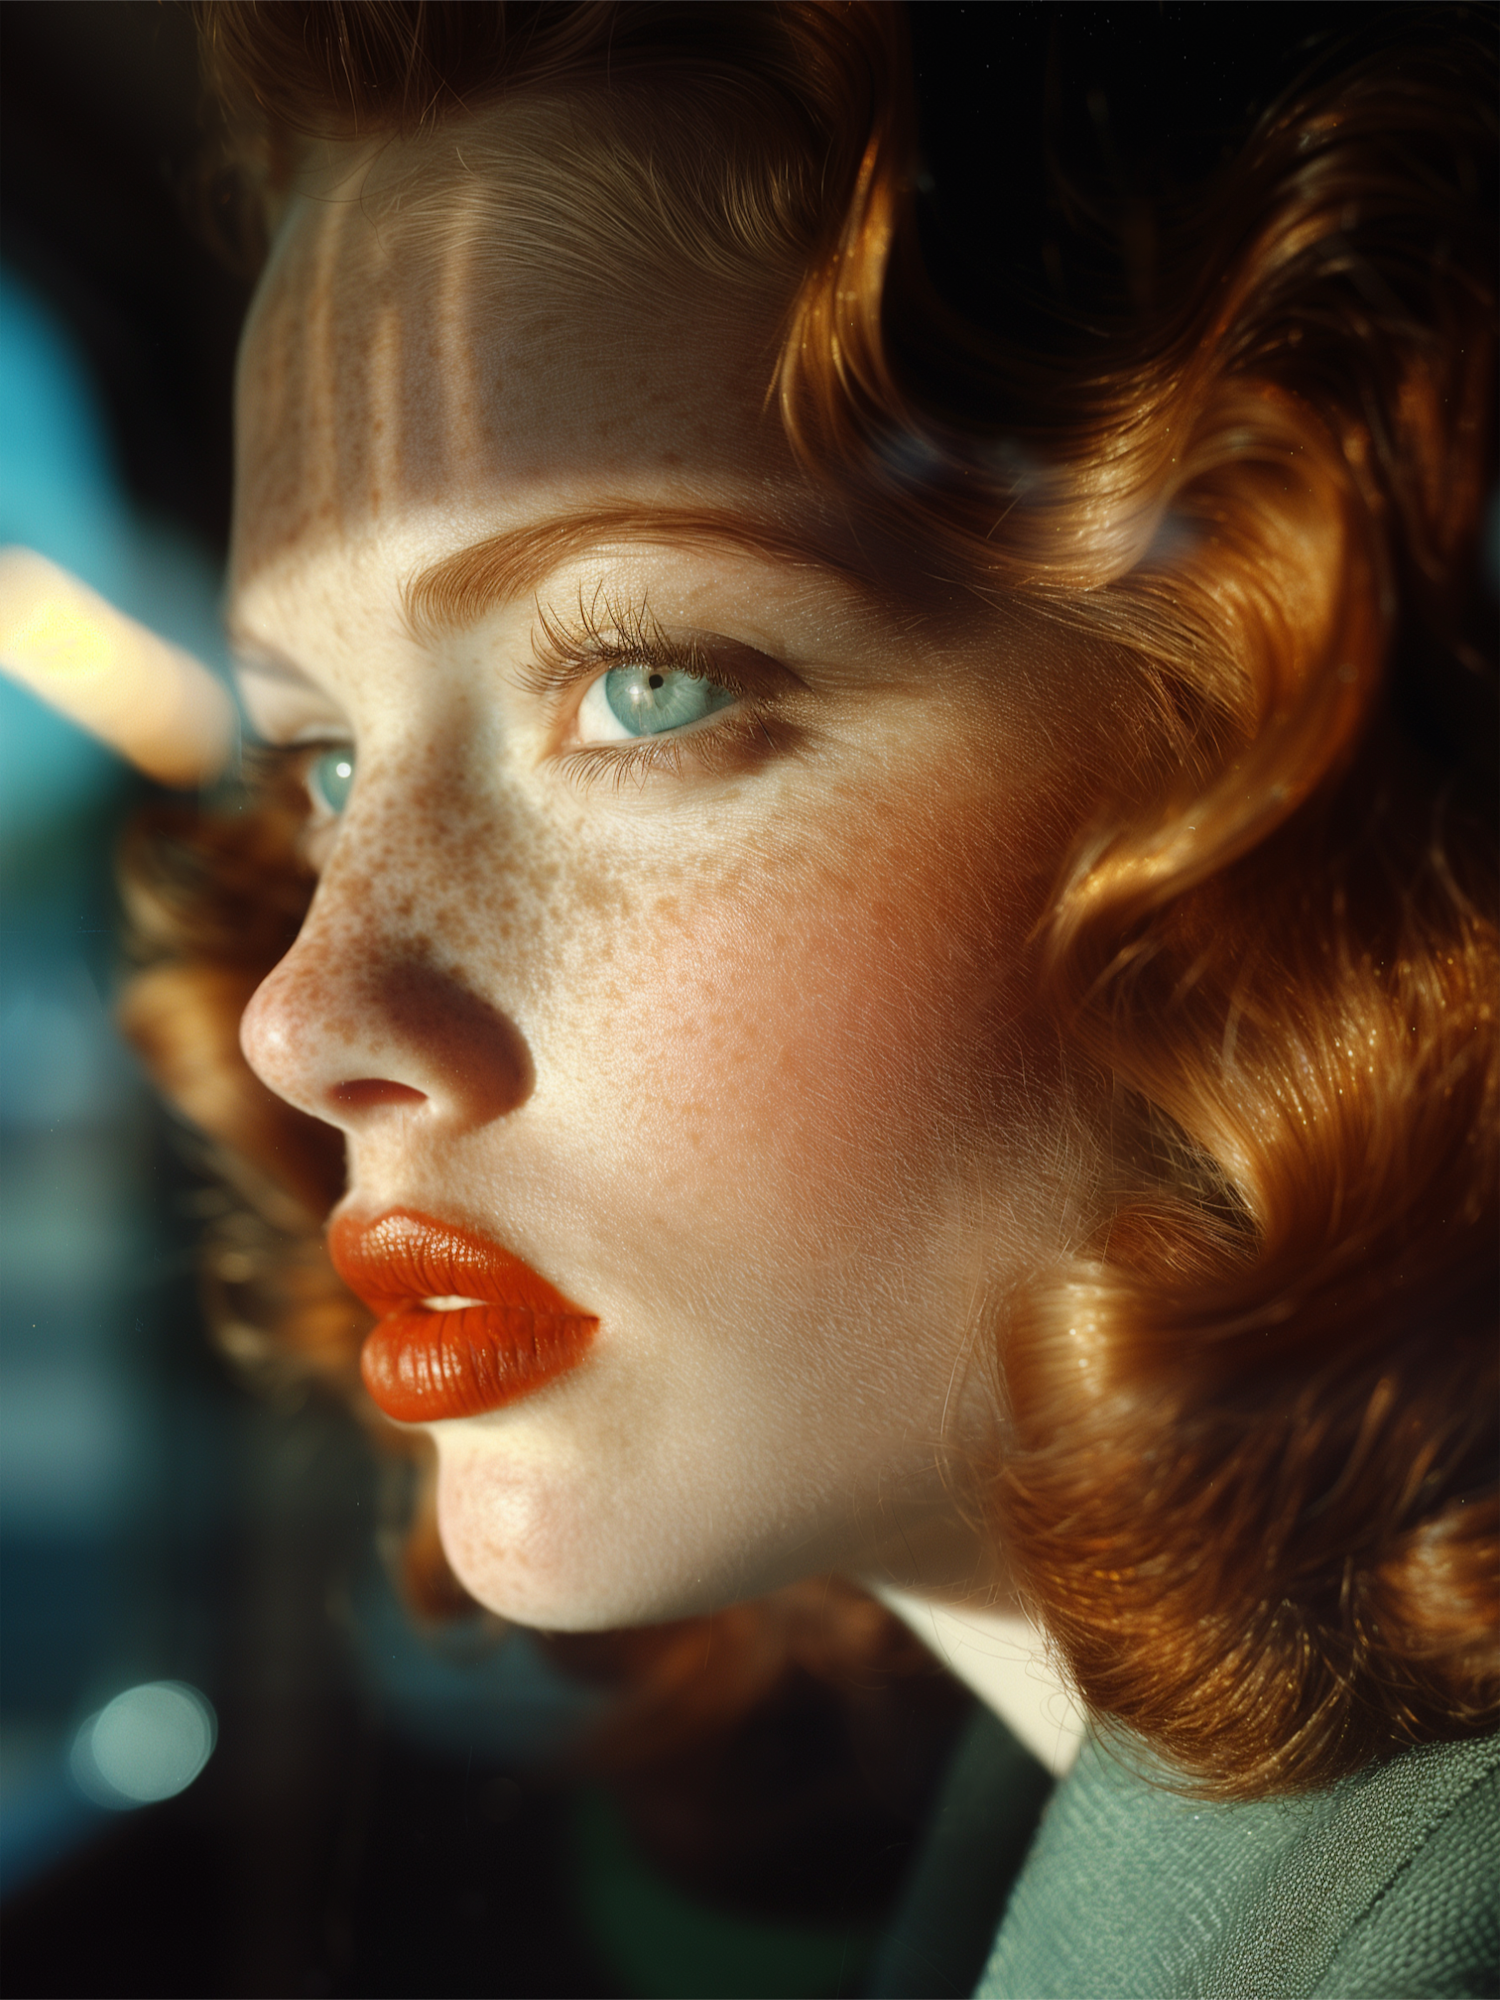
500, 1332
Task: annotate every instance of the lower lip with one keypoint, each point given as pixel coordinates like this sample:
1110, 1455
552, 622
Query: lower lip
421, 1365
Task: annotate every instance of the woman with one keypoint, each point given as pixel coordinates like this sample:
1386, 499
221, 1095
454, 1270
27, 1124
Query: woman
898, 931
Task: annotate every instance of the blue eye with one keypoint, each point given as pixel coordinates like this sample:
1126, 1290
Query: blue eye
330, 779
644, 701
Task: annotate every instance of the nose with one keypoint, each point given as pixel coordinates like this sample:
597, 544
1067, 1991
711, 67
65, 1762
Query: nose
358, 1023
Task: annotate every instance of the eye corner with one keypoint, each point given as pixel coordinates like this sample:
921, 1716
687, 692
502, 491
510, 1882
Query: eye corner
314, 777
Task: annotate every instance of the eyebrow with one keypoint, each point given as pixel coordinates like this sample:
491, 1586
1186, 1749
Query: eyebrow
457, 591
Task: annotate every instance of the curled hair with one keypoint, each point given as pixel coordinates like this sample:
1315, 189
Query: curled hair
1248, 1477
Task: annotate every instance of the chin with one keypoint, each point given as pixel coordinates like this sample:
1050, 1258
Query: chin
538, 1552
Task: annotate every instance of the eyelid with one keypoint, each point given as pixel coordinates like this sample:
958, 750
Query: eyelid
279, 699
567, 654
320, 736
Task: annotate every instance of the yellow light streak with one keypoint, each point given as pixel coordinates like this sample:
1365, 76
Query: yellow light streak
153, 703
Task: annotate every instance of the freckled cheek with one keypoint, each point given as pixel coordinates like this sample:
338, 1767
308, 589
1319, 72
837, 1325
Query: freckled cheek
806, 1026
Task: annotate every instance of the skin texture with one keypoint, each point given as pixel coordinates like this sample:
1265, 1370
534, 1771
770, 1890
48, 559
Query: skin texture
737, 1054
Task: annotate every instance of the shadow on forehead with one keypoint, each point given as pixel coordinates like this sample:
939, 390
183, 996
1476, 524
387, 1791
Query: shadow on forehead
592, 237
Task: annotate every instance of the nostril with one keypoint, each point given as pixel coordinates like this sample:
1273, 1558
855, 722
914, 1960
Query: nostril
373, 1034
369, 1093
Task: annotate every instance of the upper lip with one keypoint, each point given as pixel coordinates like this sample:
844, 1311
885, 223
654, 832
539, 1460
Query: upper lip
402, 1258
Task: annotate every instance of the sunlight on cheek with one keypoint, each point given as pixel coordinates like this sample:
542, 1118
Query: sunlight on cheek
815, 1022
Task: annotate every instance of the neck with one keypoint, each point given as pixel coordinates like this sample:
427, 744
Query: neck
1003, 1658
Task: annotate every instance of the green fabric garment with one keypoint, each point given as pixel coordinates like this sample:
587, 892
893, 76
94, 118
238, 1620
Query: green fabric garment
1384, 1887
943, 1925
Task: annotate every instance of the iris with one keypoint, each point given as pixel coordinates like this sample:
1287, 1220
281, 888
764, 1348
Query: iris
331, 779
645, 700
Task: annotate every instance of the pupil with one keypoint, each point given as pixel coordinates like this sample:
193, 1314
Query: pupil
654, 680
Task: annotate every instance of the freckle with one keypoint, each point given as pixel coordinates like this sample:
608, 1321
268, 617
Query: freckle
671, 458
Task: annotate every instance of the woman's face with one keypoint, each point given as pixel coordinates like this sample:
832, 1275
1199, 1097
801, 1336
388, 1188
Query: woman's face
707, 999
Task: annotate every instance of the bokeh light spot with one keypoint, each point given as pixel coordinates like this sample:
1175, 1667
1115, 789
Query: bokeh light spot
149, 1743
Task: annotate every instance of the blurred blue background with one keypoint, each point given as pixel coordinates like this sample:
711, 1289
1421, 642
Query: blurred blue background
86, 1470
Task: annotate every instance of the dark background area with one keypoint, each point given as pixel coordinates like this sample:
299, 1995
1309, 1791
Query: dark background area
99, 156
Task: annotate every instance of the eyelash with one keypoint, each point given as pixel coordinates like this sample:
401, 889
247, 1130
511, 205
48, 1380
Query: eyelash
565, 655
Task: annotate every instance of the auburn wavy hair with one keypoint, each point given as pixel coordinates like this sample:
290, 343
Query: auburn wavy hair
1248, 1484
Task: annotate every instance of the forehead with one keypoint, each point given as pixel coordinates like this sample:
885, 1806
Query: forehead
460, 326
